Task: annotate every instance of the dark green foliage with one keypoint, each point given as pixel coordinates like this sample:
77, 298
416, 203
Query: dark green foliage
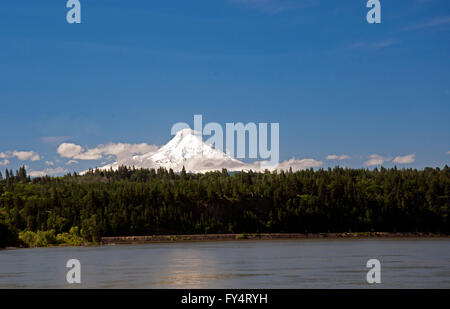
139, 202
8, 236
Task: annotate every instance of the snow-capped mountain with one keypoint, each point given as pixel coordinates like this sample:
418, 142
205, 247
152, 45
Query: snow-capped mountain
189, 150
185, 149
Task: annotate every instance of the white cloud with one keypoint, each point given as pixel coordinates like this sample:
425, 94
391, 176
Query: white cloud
49, 163
376, 160
4, 162
405, 159
37, 173
448, 152
71, 162
69, 150
124, 149
336, 157
119, 150
90, 154
298, 164
49, 172
21, 155
26, 155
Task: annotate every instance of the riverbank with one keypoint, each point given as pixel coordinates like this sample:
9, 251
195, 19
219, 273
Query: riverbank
230, 237
258, 236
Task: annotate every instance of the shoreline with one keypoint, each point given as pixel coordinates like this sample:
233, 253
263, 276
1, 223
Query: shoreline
113, 240
119, 240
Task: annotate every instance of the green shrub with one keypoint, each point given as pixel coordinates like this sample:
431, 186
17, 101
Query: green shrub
72, 238
39, 238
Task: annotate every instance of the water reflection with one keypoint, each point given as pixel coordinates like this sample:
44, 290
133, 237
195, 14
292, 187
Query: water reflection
187, 268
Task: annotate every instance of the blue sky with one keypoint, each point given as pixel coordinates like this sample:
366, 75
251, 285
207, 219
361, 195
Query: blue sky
336, 84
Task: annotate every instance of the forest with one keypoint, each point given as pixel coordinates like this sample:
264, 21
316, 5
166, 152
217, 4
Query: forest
75, 209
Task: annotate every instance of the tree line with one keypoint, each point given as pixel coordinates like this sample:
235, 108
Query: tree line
128, 201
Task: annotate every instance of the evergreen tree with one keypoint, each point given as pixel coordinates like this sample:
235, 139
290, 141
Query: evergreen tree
22, 174
183, 173
144, 202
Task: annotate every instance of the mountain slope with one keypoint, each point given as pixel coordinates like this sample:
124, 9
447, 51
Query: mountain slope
185, 149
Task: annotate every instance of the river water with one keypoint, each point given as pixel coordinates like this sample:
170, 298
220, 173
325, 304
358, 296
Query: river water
315, 263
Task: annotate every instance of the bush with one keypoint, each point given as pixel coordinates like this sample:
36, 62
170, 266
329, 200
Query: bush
72, 238
48, 238
39, 238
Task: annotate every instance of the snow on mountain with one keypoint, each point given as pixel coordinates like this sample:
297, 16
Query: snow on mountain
189, 150
185, 149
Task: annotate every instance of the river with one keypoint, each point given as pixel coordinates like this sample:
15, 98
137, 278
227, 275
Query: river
310, 263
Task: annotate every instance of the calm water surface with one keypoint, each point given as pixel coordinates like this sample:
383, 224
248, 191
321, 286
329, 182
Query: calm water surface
405, 263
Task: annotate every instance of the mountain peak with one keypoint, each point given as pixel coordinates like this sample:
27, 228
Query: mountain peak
186, 149
187, 131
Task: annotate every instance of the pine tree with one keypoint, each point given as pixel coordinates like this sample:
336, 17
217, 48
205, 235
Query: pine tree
22, 174
1, 176
183, 173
